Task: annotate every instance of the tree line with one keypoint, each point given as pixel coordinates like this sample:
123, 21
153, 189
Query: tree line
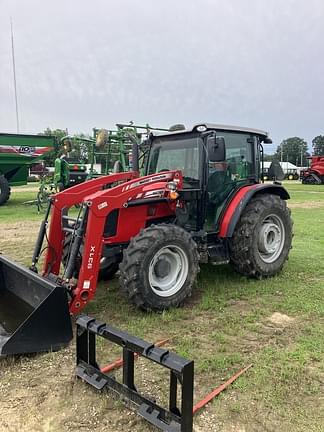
295, 150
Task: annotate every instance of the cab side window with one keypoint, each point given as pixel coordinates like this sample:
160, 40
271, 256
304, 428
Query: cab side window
239, 155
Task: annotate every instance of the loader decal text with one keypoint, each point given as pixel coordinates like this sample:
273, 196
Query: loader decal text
91, 257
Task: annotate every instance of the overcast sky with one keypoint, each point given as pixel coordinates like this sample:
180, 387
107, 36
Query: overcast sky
79, 65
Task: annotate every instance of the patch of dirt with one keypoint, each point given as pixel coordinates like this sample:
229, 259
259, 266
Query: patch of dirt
17, 239
281, 320
19, 230
16, 189
41, 394
306, 204
276, 327
241, 307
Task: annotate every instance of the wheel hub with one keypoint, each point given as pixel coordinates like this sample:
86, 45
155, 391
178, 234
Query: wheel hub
162, 267
271, 238
168, 270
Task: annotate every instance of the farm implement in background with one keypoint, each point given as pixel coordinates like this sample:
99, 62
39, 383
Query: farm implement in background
17, 153
315, 173
83, 158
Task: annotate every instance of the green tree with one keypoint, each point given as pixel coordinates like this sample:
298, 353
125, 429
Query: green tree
318, 145
293, 150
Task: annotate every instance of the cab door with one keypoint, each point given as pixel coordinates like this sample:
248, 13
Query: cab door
224, 178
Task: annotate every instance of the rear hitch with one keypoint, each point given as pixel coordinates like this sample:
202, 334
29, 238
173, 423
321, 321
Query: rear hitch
178, 417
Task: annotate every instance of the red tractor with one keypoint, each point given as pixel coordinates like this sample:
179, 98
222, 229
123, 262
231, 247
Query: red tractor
315, 173
200, 200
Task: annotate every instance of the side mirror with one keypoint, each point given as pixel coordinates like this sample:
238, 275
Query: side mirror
267, 140
216, 148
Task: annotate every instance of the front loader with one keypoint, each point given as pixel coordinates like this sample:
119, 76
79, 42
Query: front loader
200, 201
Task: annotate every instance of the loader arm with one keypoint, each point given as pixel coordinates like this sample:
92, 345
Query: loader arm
68, 198
137, 201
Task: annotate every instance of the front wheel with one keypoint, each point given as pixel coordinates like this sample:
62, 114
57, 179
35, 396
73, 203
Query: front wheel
262, 238
159, 267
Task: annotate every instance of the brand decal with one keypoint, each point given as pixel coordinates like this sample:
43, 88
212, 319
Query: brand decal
26, 149
102, 205
91, 257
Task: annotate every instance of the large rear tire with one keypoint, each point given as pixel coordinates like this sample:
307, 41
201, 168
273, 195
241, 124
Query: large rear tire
262, 238
159, 267
4, 190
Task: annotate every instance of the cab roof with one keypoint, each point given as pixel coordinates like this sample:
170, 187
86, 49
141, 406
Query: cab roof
227, 128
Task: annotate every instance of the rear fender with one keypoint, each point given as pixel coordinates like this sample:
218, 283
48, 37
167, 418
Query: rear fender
240, 200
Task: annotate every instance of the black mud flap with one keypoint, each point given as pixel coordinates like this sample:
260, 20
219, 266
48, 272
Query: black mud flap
34, 313
178, 417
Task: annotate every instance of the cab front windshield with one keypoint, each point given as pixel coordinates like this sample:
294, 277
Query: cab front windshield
176, 154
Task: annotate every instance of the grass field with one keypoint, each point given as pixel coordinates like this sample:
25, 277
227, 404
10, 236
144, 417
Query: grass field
230, 321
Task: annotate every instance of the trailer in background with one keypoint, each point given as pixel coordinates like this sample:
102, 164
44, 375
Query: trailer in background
17, 153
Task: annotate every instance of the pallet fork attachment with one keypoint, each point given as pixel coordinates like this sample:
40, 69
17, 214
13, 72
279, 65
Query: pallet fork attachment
181, 370
118, 363
176, 418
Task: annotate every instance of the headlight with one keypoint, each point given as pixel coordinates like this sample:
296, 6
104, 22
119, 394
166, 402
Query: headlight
201, 128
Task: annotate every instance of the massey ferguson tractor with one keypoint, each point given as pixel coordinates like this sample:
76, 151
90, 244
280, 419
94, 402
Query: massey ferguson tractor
199, 200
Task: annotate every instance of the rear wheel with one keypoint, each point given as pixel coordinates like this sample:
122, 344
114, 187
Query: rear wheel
159, 267
262, 238
4, 190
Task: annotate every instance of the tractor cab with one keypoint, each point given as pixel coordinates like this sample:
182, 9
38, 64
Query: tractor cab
215, 161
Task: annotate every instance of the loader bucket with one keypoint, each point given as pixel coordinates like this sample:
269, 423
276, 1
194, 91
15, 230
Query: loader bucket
34, 313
